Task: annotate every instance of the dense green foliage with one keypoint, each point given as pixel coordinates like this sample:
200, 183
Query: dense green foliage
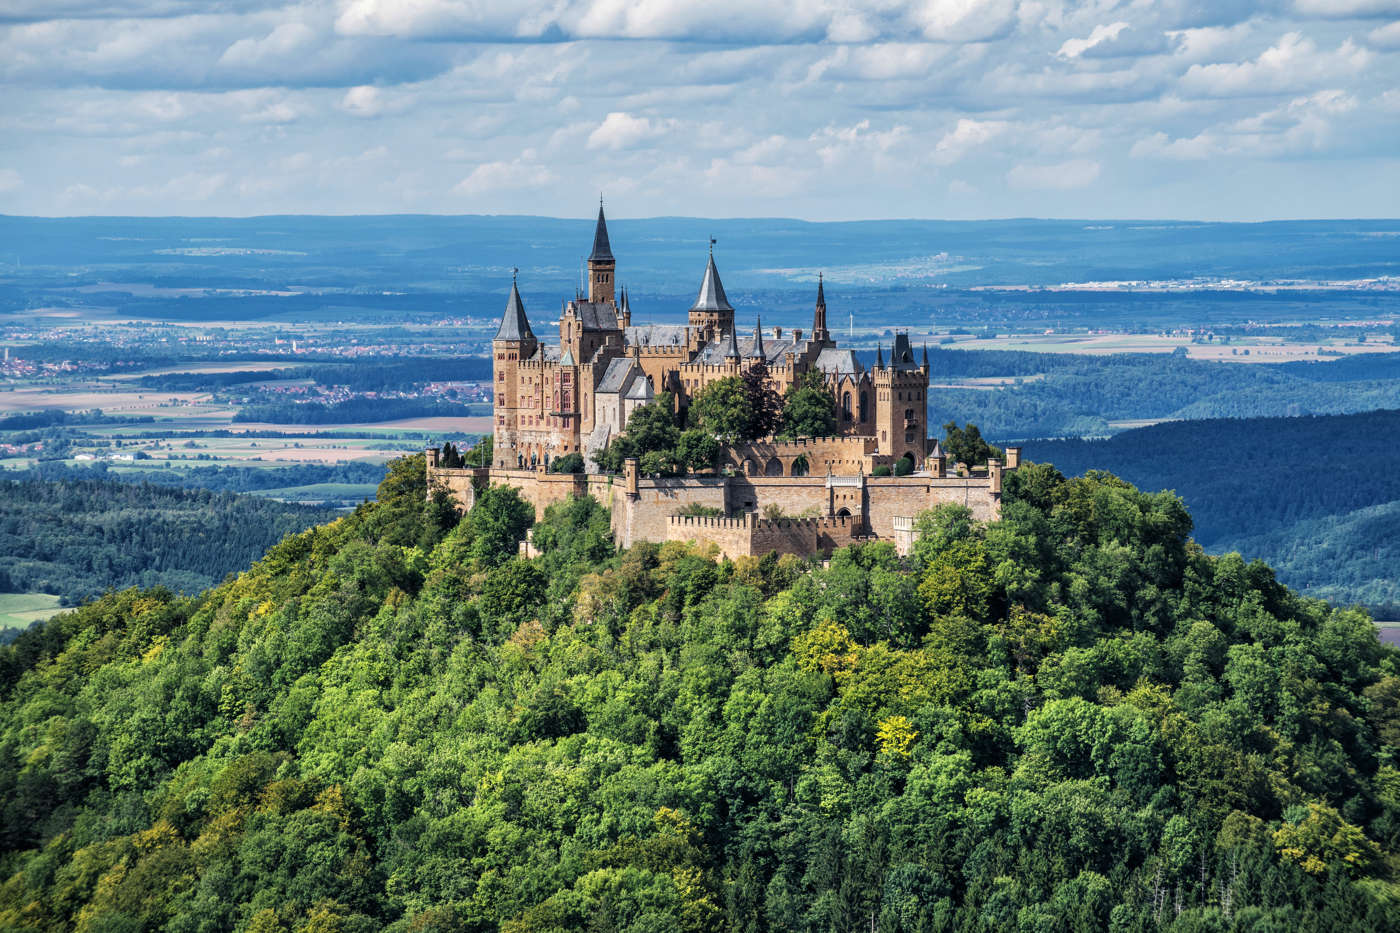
1313, 496
966, 445
809, 408
76, 539
1070, 719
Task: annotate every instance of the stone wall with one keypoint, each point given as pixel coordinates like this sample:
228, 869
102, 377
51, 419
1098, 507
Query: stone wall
827, 511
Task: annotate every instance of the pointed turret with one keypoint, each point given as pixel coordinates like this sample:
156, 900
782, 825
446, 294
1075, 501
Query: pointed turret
602, 249
819, 331
879, 356
514, 324
757, 352
712, 312
601, 264
731, 352
925, 357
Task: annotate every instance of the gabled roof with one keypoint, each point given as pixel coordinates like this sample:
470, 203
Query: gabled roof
711, 297
514, 324
595, 315
641, 389
602, 249
616, 375
836, 360
937, 450
567, 359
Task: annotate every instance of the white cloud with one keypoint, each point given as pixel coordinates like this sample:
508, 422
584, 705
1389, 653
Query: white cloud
621, 131
1076, 173
10, 180
968, 135
1294, 62
1385, 37
1073, 48
492, 177
363, 101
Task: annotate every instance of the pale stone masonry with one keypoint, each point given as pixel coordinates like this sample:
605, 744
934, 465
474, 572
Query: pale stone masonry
576, 397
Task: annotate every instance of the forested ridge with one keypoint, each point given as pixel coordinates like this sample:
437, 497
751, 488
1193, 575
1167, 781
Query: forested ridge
1069, 719
1317, 497
77, 538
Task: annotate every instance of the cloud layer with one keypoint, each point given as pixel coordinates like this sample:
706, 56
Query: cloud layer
812, 108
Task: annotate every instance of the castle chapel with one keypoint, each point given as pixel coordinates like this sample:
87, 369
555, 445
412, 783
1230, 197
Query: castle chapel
575, 396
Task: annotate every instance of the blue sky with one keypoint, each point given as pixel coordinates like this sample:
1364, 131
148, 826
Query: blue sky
1205, 109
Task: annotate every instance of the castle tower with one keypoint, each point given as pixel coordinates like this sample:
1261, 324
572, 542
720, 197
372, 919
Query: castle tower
601, 264
514, 342
712, 312
819, 332
901, 408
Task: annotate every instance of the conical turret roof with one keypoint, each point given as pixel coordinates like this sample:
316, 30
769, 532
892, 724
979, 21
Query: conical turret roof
602, 249
514, 324
732, 351
757, 351
711, 297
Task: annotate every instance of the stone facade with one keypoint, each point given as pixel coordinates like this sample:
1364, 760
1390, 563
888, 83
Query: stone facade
819, 513
575, 396
802, 496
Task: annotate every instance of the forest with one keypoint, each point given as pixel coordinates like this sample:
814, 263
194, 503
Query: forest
79, 538
1070, 719
349, 411
1309, 495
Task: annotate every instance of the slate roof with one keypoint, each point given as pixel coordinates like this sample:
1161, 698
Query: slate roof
595, 315
640, 389
902, 354
711, 297
835, 360
774, 350
514, 324
615, 376
602, 249
656, 335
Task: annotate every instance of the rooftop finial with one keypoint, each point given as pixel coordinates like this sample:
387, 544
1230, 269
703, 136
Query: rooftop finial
514, 273
712, 245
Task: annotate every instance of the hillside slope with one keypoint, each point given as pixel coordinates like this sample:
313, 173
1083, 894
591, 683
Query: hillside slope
1304, 494
1072, 719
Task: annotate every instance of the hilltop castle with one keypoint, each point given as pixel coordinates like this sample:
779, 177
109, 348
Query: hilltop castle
575, 397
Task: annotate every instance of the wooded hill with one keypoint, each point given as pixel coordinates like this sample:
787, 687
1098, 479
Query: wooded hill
1070, 719
1316, 497
77, 538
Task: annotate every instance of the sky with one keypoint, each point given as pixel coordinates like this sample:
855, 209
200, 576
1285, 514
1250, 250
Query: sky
816, 109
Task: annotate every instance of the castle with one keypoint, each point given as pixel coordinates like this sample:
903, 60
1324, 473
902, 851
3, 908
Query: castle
576, 397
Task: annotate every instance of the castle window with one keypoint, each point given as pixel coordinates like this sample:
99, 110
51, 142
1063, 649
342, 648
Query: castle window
846, 406
862, 406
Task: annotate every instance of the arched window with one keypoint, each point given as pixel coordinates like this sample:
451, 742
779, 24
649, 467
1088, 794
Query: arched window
774, 468
863, 405
843, 513
846, 406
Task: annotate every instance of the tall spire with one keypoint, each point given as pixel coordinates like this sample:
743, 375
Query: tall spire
514, 324
925, 356
602, 249
819, 331
711, 297
879, 356
757, 351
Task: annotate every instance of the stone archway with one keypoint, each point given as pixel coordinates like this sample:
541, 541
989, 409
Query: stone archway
750, 468
774, 468
843, 513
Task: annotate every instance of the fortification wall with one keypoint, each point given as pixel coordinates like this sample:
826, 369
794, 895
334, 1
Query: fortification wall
644, 516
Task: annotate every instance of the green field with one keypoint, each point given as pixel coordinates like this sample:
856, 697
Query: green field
321, 492
19, 610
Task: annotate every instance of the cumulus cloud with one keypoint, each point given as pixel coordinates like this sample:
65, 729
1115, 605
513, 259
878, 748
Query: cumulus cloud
1295, 61
622, 131
1076, 173
757, 106
492, 177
